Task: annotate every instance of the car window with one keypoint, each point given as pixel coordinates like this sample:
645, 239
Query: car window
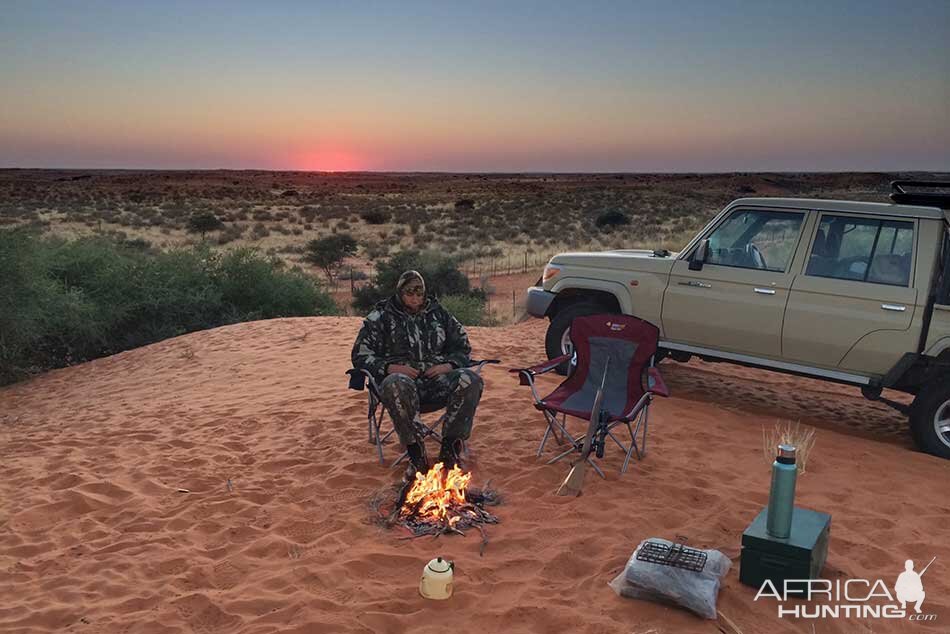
863, 250
755, 240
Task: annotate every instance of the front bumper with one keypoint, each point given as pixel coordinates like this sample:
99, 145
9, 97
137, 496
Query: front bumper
538, 301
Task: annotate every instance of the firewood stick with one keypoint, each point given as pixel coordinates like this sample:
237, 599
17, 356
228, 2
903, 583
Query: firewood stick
481, 549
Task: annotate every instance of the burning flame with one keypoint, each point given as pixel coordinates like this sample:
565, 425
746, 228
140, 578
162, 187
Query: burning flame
432, 496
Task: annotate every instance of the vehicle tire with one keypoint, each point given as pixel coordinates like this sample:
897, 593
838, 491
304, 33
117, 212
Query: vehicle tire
557, 339
930, 418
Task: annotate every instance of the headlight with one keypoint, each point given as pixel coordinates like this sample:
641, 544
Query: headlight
550, 271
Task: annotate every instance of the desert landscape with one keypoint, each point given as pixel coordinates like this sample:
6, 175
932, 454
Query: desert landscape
204, 205
222, 482
518, 220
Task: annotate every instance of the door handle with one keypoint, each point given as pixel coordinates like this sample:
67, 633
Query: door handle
895, 307
764, 291
696, 284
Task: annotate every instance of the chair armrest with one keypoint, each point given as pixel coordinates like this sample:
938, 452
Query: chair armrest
545, 367
655, 383
478, 365
359, 378
526, 375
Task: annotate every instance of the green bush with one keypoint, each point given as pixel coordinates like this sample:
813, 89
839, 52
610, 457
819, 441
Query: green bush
259, 288
440, 271
610, 219
204, 222
374, 216
468, 309
65, 302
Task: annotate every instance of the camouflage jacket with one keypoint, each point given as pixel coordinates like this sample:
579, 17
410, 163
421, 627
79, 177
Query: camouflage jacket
392, 335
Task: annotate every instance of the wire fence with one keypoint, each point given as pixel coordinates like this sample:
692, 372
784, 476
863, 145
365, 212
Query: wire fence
505, 265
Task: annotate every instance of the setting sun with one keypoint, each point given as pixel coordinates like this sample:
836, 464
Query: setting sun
329, 160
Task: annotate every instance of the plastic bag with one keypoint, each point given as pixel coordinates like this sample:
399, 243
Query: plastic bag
695, 591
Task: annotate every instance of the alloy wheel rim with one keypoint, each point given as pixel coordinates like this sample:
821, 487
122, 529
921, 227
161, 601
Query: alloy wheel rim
942, 423
566, 346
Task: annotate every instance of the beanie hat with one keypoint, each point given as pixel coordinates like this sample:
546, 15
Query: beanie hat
409, 276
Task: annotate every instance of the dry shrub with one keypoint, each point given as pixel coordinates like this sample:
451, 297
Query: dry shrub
787, 433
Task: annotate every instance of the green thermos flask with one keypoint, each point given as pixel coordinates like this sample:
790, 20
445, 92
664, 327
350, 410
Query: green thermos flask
782, 494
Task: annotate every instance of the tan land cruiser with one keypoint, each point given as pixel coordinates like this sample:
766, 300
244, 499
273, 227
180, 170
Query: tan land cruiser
850, 292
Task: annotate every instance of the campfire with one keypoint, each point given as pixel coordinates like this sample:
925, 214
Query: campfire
436, 503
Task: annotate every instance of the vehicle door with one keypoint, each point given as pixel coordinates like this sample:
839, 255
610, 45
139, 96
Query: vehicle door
735, 302
855, 293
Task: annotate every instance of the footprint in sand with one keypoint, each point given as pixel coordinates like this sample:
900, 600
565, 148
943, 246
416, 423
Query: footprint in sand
205, 616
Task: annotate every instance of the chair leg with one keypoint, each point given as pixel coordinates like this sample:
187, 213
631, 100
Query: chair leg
378, 419
562, 455
388, 434
544, 440
553, 427
646, 423
371, 418
427, 430
643, 420
630, 450
590, 460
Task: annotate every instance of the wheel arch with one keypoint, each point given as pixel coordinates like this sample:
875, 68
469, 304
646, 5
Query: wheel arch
611, 295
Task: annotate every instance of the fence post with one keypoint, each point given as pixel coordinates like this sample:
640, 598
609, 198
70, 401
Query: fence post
352, 287
512, 303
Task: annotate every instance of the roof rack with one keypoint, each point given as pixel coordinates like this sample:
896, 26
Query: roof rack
931, 198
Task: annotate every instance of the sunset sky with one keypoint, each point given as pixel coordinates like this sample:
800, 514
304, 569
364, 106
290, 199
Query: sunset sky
477, 86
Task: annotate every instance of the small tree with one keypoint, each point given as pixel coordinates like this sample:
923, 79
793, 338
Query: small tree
610, 219
440, 272
328, 253
204, 222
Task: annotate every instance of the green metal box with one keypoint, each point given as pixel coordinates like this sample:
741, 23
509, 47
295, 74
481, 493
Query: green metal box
801, 556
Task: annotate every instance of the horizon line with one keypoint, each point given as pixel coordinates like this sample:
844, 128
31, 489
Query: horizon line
472, 173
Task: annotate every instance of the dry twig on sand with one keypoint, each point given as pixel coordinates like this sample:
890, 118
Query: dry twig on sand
788, 433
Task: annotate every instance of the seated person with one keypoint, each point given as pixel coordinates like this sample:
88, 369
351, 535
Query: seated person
418, 354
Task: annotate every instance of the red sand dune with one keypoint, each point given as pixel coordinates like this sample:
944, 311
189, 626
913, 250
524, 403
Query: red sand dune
96, 537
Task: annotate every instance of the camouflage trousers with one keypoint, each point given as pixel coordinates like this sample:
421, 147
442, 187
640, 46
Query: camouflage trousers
457, 391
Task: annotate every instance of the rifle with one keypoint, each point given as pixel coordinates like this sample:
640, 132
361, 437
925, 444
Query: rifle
574, 481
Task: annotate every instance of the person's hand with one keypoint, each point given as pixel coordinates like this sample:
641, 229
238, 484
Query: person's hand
398, 368
436, 370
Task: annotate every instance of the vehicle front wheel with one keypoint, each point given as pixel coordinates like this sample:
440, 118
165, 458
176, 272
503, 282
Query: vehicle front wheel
930, 418
558, 339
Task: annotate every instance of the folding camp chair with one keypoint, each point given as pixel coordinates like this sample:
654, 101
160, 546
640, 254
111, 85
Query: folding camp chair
376, 413
630, 344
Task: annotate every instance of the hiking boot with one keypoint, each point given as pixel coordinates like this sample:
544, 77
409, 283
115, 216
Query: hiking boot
417, 457
449, 453
410, 474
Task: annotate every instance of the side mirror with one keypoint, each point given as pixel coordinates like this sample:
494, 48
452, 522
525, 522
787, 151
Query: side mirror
699, 256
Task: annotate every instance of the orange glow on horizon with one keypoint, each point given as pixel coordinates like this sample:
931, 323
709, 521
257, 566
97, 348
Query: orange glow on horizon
329, 160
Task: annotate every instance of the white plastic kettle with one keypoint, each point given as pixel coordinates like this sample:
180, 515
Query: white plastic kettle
436, 580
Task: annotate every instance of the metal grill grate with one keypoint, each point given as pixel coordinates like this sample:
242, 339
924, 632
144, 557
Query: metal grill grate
677, 556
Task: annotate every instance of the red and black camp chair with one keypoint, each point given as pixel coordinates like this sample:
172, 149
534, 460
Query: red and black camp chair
632, 380
376, 413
